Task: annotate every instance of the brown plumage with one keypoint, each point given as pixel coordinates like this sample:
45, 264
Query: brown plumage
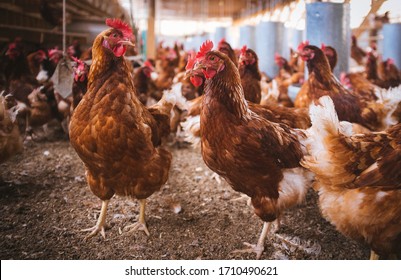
359, 85
357, 53
302, 99
331, 55
35, 60
358, 180
371, 71
226, 48
10, 137
42, 109
293, 117
250, 75
142, 82
117, 137
252, 153
349, 106
80, 84
388, 72
287, 75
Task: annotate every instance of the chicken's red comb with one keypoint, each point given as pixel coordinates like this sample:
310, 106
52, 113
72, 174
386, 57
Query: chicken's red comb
206, 47
191, 61
147, 63
223, 40
77, 60
390, 61
302, 45
42, 53
243, 50
277, 56
54, 51
343, 76
171, 54
12, 46
120, 25
323, 47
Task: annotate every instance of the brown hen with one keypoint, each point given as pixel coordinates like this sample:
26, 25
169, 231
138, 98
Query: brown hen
115, 136
250, 75
256, 156
358, 179
350, 107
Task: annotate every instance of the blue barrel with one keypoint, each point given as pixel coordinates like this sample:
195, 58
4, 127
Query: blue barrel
329, 23
392, 42
270, 38
220, 33
247, 36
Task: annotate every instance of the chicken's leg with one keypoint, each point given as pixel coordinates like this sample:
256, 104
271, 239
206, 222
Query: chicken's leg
141, 223
101, 222
258, 248
373, 255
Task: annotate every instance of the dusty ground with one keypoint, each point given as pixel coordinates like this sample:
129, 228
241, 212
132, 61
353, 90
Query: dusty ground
45, 202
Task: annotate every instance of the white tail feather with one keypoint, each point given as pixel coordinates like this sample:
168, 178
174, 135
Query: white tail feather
270, 92
324, 116
390, 98
324, 122
191, 127
174, 96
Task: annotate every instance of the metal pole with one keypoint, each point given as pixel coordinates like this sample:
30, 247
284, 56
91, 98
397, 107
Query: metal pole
64, 28
150, 36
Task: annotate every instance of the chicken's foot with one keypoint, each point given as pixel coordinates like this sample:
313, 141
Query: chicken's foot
100, 224
141, 223
259, 247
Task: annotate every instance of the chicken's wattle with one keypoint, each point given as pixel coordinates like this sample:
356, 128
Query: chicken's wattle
119, 50
196, 80
209, 73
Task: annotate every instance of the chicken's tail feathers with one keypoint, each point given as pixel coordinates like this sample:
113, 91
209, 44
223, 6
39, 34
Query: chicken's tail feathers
389, 98
324, 117
325, 149
191, 127
174, 97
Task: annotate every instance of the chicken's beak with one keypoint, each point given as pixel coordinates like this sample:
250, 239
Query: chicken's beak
126, 43
196, 70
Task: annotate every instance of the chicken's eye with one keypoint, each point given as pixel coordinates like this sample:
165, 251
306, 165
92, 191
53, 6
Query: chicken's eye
212, 58
115, 35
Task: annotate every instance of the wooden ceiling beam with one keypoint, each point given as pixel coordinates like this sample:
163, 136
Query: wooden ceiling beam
17, 9
374, 8
43, 30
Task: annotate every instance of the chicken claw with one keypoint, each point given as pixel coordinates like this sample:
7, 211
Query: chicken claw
95, 230
253, 248
140, 224
258, 248
100, 224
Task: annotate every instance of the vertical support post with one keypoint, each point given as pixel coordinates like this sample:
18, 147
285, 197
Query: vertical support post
150, 34
392, 43
64, 29
270, 37
247, 36
329, 23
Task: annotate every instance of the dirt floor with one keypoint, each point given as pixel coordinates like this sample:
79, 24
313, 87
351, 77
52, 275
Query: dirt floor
45, 202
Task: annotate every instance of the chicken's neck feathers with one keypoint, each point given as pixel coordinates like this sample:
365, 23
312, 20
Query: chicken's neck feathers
226, 88
250, 70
